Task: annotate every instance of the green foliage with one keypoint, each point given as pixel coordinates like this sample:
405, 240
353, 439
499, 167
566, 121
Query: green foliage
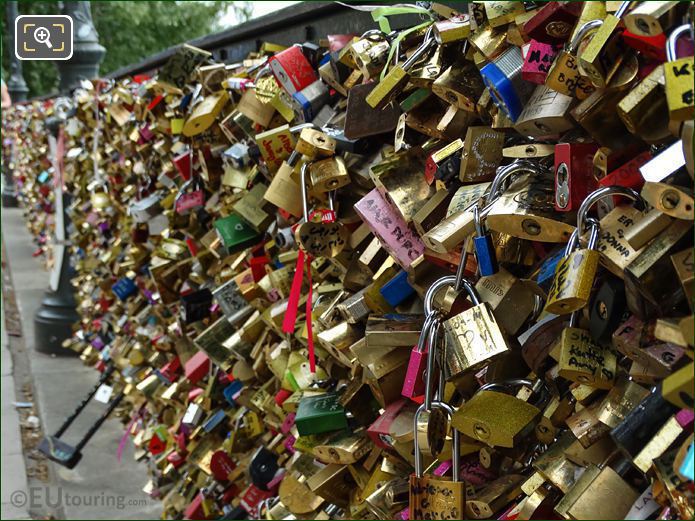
130, 31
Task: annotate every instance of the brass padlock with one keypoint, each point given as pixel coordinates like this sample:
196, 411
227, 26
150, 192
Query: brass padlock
473, 337
432, 497
495, 417
564, 76
678, 75
526, 208
319, 239
606, 50
397, 78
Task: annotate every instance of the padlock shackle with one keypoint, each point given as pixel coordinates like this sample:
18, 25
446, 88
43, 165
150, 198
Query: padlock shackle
422, 339
420, 51
602, 192
622, 9
573, 241
581, 34
449, 280
503, 174
505, 385
433, 336
671, 54
302, 182
456, 450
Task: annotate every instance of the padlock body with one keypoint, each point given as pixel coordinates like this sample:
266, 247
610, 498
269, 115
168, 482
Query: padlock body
564, 77
433, 497
573, 174
414, 383
574, 278
485, 253
392, 84
680, 96
583, 361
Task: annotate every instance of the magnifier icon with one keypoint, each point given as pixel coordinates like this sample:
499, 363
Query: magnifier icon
43, 35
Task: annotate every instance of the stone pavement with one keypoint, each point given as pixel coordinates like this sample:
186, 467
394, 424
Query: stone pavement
99, 487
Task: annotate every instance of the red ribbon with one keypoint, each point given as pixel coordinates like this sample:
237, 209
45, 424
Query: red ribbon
295, 292
290, 319
309, 331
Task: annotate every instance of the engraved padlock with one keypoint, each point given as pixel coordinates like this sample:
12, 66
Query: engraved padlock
564, 76
433, 497
325, 239
678, 76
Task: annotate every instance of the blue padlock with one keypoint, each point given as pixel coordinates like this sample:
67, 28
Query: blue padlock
546, 273
397, 289
214, 420
124, 288
484, 249
688, 463
232, 391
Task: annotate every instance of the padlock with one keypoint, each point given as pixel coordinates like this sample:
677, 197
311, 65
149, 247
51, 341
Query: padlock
432, 497
523, 210
484, 249
545, 115
473, 337
496, 418
370, 52
326, 239
189, 200
581, 360
414, 384
606, 50
455, 29
552, 23
511, 299
328, 174
678, 78
652, 19
397, 78
503, 78
459, 86
573, 174
564, 76
537, 61
644, 110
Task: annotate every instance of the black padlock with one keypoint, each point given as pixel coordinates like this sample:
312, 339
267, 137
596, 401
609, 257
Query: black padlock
607, 310
195, 306
263, 467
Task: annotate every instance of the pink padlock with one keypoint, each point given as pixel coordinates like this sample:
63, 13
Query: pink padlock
414, 383
537, 61
186, 201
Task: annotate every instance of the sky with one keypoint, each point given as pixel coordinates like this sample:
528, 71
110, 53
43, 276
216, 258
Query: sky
259, 9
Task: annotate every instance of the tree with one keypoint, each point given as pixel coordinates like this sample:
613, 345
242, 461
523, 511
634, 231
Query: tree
130, 31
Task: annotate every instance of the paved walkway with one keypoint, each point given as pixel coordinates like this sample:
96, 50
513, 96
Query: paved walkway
99, 487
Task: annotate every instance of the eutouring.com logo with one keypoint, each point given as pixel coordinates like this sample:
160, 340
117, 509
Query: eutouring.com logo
42, 497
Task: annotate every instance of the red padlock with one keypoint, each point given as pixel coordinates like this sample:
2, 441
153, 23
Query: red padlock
553, 22
379, 430
574, 179
292, 70
188, 200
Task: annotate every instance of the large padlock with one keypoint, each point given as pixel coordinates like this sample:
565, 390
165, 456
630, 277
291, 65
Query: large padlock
473, 337
678, 76
496, 418
433, 497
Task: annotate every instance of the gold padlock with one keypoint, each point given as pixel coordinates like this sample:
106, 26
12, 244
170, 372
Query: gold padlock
678, 75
